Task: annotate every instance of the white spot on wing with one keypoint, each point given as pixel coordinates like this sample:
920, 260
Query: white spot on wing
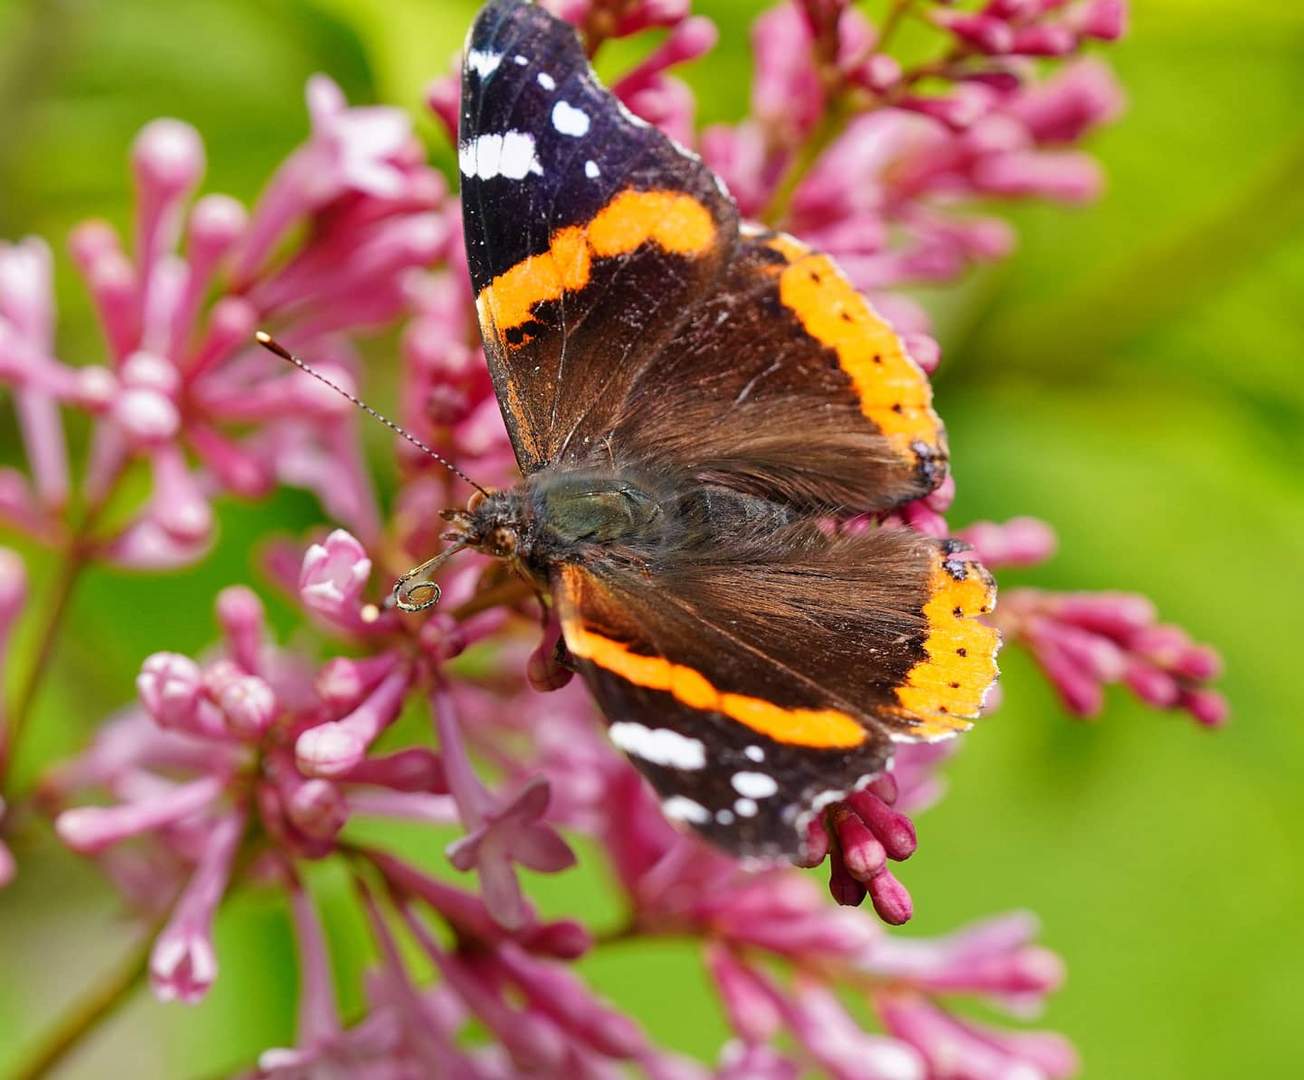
754, 753
483, 63
510, 155
591, 170
915, 740
519, 60
547, 81
569, 120
745, 807
755, 785
680, 808
660, 746
724, 817
826, 798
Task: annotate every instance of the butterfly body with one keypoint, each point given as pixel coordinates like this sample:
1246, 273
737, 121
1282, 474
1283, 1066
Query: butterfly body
711, 423
644, 517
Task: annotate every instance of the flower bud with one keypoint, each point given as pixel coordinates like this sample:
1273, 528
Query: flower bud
168, 157
249, 706
333, 577
169, 687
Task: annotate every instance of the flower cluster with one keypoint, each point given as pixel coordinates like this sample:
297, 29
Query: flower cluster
241, 767
849, 149
256, 740
250, 763
185, 393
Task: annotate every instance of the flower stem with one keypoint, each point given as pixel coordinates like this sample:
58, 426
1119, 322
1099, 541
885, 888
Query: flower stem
77, 553
826, 131
845, 101
66, 576
86, 1014
837, 112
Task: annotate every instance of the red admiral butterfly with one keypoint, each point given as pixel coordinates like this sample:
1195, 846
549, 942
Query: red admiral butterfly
693, 403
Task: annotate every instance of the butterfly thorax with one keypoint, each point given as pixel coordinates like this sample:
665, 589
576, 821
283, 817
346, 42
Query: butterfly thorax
641, 513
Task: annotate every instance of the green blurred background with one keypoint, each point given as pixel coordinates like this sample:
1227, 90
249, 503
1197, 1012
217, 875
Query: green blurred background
1132, 374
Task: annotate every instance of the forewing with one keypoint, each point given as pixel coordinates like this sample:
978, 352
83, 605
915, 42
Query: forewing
590, 235
787, 384
755, 687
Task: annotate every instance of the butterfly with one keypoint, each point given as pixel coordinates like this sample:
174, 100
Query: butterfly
698, 407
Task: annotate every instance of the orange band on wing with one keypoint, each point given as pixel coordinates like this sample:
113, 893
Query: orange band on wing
825, 728
950, 685
894, 393
675, 222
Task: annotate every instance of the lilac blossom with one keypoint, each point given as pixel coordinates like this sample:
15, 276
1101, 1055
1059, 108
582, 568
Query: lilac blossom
183, 391
239, 767
183, 394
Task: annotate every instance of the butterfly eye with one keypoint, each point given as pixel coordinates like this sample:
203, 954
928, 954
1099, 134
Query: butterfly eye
475, 501
502, 542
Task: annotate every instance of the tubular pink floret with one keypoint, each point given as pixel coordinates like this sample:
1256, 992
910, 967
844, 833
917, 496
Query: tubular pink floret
334, 748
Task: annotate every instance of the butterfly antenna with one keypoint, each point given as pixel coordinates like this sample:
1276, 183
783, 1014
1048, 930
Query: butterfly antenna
273, 346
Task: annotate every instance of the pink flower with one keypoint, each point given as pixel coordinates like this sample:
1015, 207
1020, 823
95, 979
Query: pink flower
255, 730
91, 829
183, 963
788, 93
839, 1044
500, 832
1085, 641
962, 1050
868, 832
996, 959
1105, 20
630, 18
335, 748
186, 393
333, 577
1021, 541
1082, 96
27, 338
470, 916
358, 150
169, 688
323, 1044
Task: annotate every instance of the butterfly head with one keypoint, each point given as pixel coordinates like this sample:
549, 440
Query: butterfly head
492, 523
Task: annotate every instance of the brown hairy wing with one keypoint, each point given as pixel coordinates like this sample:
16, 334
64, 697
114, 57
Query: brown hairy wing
753, 686
785, 383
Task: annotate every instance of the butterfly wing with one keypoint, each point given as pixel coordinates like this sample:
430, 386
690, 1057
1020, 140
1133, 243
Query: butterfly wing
628, 320
589, 233
754, 686
620, 304
786, 383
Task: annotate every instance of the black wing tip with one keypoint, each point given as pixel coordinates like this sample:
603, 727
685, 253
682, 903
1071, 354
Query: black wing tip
488, 22
494, 31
